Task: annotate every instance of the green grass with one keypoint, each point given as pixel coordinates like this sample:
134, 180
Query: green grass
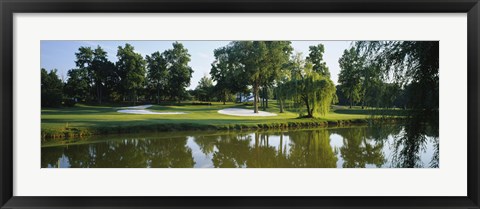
93, 120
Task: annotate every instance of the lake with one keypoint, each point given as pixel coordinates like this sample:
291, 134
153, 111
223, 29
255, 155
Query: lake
387, 146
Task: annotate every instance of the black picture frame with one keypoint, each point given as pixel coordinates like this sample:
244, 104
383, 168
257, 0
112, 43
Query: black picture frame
9, 7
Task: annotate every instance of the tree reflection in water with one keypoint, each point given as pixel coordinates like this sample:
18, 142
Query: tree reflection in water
360, 148
357, 147
419, 131
126, 153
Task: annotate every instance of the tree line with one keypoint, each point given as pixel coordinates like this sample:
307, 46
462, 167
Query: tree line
159, 76
261, 68
373, 74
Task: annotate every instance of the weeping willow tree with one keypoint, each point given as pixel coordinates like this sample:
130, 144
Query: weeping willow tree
308, 88
409, 63
316, 91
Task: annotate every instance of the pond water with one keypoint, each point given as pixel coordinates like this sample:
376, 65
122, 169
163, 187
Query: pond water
395, 146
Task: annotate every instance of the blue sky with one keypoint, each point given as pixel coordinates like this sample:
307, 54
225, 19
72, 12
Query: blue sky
60, 55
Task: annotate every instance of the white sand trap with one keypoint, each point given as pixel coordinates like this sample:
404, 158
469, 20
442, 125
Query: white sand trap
142, 111
138, 107
148, 112
244, 112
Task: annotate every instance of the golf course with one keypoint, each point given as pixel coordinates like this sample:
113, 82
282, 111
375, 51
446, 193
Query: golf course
84, 120
239, 104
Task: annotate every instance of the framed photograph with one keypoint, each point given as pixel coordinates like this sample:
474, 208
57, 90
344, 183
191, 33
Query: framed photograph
239, 104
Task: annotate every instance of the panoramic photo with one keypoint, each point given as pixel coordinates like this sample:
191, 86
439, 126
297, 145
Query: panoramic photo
239, 104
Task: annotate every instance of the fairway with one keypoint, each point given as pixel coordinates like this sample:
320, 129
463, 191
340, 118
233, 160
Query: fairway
86, 120
245, 112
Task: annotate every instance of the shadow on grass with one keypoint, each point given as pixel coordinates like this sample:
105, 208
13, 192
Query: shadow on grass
89, 110
194, 108
386, 112
78, 110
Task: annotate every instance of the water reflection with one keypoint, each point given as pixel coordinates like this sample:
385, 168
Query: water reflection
352, 147
360, 148
415, 138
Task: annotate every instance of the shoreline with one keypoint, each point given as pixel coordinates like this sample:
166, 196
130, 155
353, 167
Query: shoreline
67, 133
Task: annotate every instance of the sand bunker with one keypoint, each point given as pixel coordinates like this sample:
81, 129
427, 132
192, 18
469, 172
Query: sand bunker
148, 112
142, 111
244, 112
138, 107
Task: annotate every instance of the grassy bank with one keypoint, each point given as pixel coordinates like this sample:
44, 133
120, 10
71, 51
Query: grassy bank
83, 120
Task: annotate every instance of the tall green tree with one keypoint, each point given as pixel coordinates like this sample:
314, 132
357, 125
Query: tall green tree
253, 58
282, 88
77, 86
100, 70
84, 59
277, 58
158, 75
110, 82
51, 88
316, 58
349, 77
131, 67
180, 72
228, 72
371, 84
222, 72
